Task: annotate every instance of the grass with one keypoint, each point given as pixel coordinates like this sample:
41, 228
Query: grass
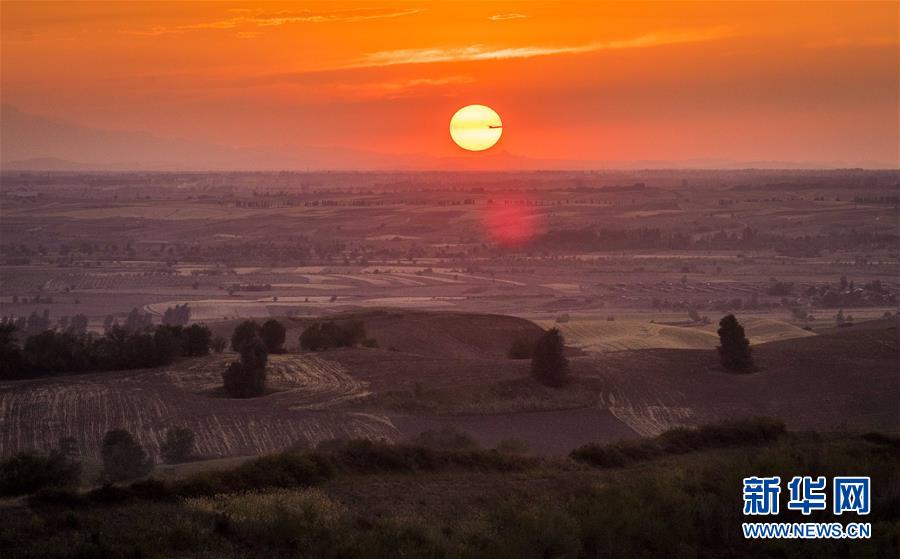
680, 441
686, 504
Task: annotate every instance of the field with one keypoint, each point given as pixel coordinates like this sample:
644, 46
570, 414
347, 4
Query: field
447, 271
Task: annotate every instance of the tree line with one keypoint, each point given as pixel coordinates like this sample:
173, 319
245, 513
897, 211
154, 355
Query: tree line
67, 352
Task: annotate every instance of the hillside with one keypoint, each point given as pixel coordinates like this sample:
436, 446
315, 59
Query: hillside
438, 370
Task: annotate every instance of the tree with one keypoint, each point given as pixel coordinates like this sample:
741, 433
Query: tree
273, 334
247, 378
178, 446
734, 347
330, 334
123, 457
196, 340
11, 361
312, 339
244, 332
27, 473
548, 364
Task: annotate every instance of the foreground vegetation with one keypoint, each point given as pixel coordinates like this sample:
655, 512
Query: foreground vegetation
312, 504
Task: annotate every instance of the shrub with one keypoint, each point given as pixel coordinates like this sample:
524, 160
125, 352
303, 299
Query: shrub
56, 497
681, 440
273, 334
152, 490
446, 438
520, 530
123, 457
513, 446
178, 446
26, 473
318, 336
306, 519
109, 495
734, 347
548, 364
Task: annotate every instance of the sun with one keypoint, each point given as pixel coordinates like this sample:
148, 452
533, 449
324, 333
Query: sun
476, 127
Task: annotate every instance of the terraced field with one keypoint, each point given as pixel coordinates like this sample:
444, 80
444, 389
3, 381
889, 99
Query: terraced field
601, 335
300, 409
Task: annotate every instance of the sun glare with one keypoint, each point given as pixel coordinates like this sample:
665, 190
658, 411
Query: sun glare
476, 127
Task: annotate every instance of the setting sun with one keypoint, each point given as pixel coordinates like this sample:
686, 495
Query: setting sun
476, 127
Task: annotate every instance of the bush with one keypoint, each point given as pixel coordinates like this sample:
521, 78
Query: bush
734, 347
56, 497
26, 473
513, 446
123, 457
318, 336
446, 438
305, 520
548, 364
520, 530
178, 446
520, 349
273, 334
681, 440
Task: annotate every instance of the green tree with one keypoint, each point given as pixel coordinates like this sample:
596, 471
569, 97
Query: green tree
734, 347
26, 473
178, 446
11, 362
273, 334
548, 363
312, 338
244, 332
123, 457
247, 378
196, 340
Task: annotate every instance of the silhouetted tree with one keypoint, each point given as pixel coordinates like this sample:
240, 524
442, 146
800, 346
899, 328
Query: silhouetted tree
244, 332
178, 446
11, 361
548, 364
734, 347
26, 472
196, 339
330, 334
312, 339
273, 334
123, 457
247, 378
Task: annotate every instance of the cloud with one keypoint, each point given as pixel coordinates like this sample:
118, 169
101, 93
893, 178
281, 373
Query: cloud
395, 89
482, 52
504, 17
275, 19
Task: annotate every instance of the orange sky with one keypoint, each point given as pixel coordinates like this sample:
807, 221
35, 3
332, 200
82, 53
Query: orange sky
611, 82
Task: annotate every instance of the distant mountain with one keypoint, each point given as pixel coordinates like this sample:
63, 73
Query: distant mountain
49, 164
33, 142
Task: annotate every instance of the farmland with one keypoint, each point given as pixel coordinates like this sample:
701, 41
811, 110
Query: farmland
447, 271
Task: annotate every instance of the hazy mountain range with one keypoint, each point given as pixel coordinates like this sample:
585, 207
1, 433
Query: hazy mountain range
34, 142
